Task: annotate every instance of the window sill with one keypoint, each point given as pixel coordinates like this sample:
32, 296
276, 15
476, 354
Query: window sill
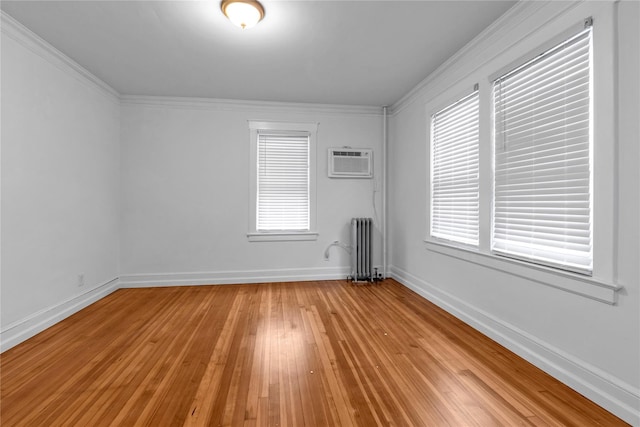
590, 287
282, 236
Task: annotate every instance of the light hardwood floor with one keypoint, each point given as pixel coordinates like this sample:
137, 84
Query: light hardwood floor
284, 354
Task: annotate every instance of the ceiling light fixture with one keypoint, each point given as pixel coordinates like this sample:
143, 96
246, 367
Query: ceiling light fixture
243, 13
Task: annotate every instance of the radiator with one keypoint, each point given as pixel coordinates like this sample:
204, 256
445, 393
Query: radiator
361, 249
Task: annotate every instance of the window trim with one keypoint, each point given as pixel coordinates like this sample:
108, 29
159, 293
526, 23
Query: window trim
255, 235
595, 288
605, 190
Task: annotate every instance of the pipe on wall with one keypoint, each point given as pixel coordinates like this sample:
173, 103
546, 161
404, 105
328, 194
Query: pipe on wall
384, 192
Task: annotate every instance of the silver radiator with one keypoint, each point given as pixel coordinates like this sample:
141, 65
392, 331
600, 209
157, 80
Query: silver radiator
361, 249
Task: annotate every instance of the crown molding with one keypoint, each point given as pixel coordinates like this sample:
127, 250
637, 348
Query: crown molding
216, 104
28, 39
483, 48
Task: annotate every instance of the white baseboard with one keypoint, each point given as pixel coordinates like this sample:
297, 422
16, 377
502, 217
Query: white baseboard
232, 277
23, 329
611, 393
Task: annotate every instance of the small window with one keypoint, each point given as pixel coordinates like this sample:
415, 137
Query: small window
283, 181
542, 207
454, 171
283, 175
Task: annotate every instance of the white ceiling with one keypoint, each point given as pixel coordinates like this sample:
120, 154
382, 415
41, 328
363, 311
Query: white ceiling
330, 52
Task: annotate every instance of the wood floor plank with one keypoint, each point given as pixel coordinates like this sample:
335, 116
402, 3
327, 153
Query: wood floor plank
326, 353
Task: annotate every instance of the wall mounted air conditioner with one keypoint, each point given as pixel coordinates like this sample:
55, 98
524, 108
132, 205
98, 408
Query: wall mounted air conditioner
350, 163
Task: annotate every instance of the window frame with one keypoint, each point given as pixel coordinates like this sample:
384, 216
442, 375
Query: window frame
602, 285
255, 235
573, 33
452, 103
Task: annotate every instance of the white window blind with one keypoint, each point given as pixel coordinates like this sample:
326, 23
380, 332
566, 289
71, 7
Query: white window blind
454, 171
542, 189
283, 181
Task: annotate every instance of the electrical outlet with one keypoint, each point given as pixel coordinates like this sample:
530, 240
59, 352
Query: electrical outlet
80, 280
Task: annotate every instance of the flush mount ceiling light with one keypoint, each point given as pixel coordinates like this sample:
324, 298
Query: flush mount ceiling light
243, 13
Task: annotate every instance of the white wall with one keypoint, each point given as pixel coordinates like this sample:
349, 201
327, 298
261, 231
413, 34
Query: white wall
592, 346
185, 192
59, 186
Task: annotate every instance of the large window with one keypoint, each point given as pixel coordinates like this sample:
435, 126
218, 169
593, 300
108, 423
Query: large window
542, 206
283, 174
454, 171
547, 158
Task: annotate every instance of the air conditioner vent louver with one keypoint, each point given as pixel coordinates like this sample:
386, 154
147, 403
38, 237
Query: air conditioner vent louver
348, 153
350, 163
